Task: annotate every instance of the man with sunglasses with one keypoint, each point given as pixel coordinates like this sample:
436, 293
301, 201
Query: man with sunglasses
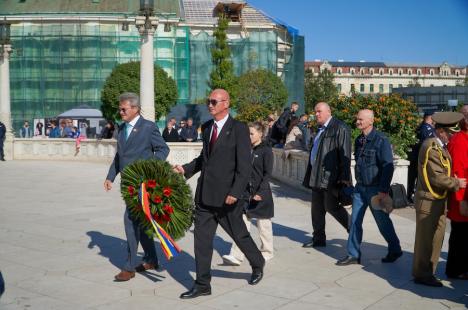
225, 166
138, 138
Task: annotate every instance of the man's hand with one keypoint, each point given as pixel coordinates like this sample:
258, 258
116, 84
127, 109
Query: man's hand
461, 182
178, 169
257, 198
230, 200
382, 196
107, 185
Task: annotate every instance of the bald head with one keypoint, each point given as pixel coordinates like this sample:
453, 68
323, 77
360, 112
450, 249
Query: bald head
365, 121
218, 103
220, 93
322, 113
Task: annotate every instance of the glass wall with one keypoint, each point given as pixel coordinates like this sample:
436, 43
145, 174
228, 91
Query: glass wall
56, 67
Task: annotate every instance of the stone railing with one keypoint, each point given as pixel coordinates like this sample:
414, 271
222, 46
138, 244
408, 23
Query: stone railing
290, 167
90, 150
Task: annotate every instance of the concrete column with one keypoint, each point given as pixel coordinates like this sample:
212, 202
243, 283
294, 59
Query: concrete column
147, 75
5, 105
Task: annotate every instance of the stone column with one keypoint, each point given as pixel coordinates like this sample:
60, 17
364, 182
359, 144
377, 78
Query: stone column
5, 105
147, 74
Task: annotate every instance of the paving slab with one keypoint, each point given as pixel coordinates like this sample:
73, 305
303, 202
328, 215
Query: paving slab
62, 241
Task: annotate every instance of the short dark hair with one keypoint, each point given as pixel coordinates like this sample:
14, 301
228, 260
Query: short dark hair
258, 126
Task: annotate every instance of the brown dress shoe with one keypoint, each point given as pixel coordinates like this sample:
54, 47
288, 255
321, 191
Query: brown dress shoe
145, 266
124, 275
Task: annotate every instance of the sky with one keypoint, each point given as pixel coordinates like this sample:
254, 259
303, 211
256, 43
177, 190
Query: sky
398, 31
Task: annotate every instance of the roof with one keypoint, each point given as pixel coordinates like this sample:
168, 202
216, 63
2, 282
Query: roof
356, 64
201, 12
378, 64
25, 7
83, 111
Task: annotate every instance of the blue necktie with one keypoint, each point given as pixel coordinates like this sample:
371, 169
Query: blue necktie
313, 153
128, 130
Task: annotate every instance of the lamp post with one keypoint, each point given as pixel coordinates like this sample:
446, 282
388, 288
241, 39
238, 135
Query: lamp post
5, 105
147, 23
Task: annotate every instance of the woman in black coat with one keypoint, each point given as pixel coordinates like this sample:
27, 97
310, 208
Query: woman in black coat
258, 200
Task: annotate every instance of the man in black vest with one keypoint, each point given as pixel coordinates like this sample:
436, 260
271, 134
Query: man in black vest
225, 165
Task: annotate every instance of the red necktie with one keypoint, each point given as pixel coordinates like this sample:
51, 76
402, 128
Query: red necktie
214, 136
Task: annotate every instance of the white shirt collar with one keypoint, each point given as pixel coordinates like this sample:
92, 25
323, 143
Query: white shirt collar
440, 142
134, 121
327, 122
221, 122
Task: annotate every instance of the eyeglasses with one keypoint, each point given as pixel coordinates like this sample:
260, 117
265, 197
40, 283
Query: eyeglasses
123, 110
213, 102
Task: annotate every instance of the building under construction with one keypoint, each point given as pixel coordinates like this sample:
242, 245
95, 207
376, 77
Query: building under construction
63, 50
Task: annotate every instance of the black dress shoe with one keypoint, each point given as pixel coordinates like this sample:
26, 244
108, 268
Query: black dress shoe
146, 266
256, 277
432, 281
314, 244
195, 292
391, 257
348, 260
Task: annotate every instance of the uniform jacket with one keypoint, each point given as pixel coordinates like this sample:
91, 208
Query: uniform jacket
458, 149
434, 179
225, 170
259, 184
144, 142
333, 162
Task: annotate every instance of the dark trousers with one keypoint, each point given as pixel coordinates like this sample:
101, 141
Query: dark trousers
412, 176
137, 235
230, 219
326, 201
457, 259
2, 154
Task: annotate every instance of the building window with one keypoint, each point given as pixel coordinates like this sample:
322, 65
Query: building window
338, 71
352, 71
381, 88
338, 87
371, 88
361, 88
432, 85
419, 72
381, 71
400, 85
362, 71
400, 72
371, 71
353, 89
390, 88
390, 71
457, 73
410, 72
431, 72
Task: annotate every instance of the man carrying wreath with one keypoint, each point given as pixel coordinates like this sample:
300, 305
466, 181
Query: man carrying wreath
225, 166
138, 139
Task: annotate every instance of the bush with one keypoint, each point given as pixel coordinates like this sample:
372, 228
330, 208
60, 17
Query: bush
252, 113
126, 78
394, 116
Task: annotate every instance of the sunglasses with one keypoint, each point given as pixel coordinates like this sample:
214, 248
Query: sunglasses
213, 102
124, 110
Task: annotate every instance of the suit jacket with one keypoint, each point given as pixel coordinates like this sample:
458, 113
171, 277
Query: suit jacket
144, 142
2, 131
226, 169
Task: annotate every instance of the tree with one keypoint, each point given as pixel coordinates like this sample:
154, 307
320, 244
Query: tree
222, 75
126, 78
466, 81
263, 88
318, 88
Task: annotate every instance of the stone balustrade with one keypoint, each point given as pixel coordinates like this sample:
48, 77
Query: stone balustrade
289, 166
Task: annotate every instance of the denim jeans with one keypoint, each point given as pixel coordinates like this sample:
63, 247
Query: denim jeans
361, 200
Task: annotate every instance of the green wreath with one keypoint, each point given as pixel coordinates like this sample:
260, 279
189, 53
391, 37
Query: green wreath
170, 196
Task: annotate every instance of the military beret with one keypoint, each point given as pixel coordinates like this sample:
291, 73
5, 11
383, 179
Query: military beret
428, 113
447, 119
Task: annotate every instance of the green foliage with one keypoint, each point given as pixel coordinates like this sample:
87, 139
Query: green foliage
261, 87
126, 78
394, 116
170, 196
465, 81
252, 112
318, 88
222, 75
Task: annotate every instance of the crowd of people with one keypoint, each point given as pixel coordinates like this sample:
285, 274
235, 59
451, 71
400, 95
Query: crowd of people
235, 166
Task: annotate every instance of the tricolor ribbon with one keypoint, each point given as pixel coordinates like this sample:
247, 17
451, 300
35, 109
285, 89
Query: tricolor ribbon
169, 247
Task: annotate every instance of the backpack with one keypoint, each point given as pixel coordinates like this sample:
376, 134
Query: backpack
398, 194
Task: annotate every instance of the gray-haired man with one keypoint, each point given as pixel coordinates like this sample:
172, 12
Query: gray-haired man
137, 139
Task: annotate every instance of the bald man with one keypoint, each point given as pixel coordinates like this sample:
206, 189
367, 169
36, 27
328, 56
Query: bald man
373, 173
328, 171
225, 166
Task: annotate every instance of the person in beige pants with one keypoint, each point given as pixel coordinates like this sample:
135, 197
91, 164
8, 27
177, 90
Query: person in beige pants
258, 200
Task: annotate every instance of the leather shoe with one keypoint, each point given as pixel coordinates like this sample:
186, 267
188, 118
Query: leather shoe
256, 277
348, 260
432, 281
146, 266
195, 292
314, 244
391, 257
124, 275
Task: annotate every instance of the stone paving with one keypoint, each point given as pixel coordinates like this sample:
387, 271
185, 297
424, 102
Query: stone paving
62, 241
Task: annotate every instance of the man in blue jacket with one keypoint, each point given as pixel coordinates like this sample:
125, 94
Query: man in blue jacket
373, 173
138, 138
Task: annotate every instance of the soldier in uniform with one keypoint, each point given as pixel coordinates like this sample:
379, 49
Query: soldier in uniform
434, 181
424, 131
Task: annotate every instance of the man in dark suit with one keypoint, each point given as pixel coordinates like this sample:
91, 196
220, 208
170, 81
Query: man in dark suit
225, 166
137, 139
2, 140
